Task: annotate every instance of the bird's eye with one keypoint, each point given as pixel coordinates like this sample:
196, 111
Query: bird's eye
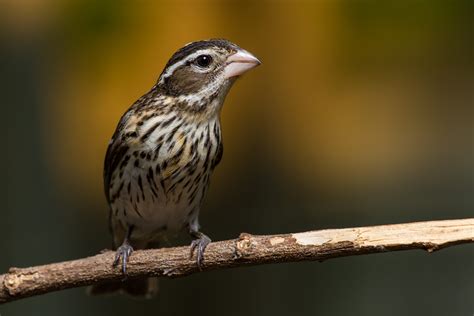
203, 61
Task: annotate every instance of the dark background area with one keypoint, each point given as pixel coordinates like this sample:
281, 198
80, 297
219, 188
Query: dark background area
361, 114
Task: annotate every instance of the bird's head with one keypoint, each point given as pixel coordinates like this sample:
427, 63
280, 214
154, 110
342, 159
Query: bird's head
199, 75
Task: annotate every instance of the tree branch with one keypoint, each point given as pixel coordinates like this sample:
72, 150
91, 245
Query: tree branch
245, 250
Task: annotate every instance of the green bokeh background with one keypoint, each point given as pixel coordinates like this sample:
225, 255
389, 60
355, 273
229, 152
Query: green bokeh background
361, 114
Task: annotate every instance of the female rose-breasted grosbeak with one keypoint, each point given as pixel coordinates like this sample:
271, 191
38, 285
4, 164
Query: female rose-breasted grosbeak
165, 147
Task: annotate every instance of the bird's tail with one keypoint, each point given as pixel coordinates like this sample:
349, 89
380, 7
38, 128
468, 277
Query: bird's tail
137, 288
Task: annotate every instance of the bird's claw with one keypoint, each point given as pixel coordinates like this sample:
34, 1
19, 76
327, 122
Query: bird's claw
199, 244
123, 252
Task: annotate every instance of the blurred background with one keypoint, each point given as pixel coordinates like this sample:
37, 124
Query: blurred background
361, 114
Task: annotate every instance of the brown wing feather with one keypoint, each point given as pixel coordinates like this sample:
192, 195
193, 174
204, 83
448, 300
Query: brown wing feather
115, 153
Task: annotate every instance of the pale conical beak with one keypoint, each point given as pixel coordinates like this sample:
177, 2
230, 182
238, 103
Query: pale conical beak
239, 63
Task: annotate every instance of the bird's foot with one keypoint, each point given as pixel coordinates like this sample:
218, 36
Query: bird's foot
123, 252
199, 244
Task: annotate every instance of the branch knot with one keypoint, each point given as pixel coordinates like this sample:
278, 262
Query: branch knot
243, 245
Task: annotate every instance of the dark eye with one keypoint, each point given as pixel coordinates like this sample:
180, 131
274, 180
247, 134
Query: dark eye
203, 61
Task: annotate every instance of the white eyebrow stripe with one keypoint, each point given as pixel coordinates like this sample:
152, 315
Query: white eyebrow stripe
176, 65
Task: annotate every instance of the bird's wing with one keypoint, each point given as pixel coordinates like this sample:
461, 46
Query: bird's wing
218, 158
115, 152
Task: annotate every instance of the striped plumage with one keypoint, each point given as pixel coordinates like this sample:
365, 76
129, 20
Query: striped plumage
158, 169
162, 154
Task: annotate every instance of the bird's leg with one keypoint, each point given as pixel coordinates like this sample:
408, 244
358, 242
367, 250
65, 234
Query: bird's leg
124, 251
199, 243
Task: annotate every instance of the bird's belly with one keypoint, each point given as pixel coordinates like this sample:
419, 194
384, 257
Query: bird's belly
155, 204
152, 219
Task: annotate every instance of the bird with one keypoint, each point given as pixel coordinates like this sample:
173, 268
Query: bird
163, 152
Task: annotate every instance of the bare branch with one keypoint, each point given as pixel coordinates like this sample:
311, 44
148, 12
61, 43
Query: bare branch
246, 250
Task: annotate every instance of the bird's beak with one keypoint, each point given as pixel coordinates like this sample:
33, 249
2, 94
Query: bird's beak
239, 63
